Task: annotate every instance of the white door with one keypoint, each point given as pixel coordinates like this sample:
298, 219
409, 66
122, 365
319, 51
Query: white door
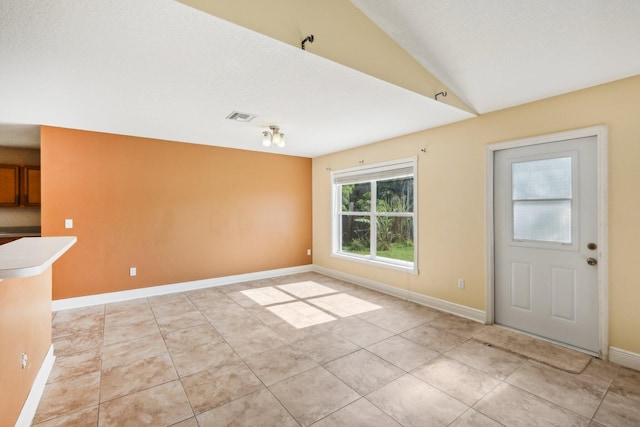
545, 224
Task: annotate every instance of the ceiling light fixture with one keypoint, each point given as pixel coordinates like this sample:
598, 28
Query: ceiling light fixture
274, 137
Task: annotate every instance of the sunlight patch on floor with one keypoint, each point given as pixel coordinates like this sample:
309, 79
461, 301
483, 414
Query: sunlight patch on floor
306, 289
292, 303
300, 314
343, 305
267, 295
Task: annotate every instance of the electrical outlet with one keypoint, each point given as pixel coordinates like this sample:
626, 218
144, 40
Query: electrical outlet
308, 251
461, 283
24, 360
132, 271
68, 223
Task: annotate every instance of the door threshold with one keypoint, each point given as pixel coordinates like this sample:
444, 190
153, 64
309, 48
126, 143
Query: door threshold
561, 344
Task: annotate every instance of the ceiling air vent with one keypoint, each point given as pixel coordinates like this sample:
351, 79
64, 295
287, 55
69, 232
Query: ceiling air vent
241, 117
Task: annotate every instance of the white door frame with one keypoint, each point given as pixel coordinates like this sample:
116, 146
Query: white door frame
600, 132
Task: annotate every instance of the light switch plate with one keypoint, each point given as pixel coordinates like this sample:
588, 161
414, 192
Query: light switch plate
68, 223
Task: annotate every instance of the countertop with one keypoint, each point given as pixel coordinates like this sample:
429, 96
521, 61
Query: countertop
31, 256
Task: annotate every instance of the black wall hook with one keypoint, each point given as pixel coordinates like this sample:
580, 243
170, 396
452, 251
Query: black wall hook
308, 39
444, 94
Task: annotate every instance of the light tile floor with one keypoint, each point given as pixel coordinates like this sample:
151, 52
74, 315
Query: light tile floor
229, 356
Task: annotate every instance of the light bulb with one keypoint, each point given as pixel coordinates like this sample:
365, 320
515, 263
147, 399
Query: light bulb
266, 138
277, 137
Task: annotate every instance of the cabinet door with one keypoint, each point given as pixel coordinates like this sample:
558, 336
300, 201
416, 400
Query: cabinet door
9, 185
31, 186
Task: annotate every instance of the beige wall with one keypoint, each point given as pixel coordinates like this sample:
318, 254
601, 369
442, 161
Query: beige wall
452, 198
23, 216
177, 212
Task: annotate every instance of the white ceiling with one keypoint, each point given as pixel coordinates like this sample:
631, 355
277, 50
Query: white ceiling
160, 69
496, 54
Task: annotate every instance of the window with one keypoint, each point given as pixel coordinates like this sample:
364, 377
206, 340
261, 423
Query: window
374, 214
542, 196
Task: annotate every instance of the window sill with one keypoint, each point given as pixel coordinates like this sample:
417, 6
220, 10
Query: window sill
399, 266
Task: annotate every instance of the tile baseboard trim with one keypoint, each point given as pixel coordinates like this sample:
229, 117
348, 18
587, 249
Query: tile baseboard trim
624, 358
33, 399
89, 300
438, 304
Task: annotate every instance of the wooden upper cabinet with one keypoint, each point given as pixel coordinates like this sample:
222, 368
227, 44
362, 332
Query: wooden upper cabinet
9, 185
31, 186
19, 185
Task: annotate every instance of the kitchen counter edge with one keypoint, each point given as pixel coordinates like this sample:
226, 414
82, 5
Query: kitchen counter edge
31, 256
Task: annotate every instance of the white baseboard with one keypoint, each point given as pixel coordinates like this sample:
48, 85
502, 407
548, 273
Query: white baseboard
438, 304
86, 301
33, 400
624, 358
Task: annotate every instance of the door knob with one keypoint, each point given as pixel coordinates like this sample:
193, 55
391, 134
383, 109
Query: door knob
592, 261
592, 246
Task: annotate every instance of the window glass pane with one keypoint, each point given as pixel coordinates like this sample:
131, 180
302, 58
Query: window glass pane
395, 238
356, 197
548, 221
542, 179
395, 195
356, 234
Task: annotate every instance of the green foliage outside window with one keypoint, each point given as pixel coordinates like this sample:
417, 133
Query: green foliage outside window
394, 237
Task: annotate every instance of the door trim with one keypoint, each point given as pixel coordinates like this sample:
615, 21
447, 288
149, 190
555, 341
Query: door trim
601, 134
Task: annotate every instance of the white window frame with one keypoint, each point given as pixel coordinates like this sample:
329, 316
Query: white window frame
373, 173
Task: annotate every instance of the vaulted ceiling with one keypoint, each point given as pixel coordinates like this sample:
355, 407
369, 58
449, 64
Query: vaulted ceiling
375, 70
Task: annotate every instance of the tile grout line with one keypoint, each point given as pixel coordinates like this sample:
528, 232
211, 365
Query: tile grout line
179, 378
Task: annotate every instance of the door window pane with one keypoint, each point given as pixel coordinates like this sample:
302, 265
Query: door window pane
548, 221
542, 179
541, 191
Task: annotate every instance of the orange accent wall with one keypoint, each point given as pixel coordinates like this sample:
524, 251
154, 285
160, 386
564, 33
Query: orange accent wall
177, 212
25, 327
